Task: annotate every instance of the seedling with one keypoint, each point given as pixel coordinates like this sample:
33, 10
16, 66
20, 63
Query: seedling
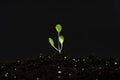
58, 28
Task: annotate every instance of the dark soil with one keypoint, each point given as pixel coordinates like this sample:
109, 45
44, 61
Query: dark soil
62, 67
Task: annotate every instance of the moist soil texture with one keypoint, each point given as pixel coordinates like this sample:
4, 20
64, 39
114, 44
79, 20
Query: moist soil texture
62, 67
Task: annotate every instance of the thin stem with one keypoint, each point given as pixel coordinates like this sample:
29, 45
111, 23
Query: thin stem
61, 47
56, 49
58, 43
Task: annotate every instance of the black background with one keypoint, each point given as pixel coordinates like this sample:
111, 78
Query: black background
89, 27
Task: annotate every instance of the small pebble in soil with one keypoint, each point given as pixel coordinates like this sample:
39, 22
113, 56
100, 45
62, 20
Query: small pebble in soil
37, 78
99, 67
15, 69
83, 60
83, 69
115, 63
75, 65
58, 76
58, 67
14, 77
18, 61
59, 72
65, 57
6, 74
74, 59
69, 74
49, 57
78, 60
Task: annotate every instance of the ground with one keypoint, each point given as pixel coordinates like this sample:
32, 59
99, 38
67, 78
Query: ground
61, 67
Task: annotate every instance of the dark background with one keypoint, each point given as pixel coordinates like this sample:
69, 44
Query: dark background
89, 27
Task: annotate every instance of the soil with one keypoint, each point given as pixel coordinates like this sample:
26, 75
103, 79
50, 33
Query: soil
62, 67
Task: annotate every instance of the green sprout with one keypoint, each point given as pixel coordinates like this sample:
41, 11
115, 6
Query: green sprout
58, 28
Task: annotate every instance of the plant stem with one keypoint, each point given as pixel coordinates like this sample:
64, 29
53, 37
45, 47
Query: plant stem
61, 47
59, 43
56, 49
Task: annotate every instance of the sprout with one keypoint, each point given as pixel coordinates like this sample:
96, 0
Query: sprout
60, 39
51, 42
58, 28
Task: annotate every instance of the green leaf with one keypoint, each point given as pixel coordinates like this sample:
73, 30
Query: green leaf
61, 39
51, 42
58, 28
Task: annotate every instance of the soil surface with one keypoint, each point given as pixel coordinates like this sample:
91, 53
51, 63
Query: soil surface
61, 67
